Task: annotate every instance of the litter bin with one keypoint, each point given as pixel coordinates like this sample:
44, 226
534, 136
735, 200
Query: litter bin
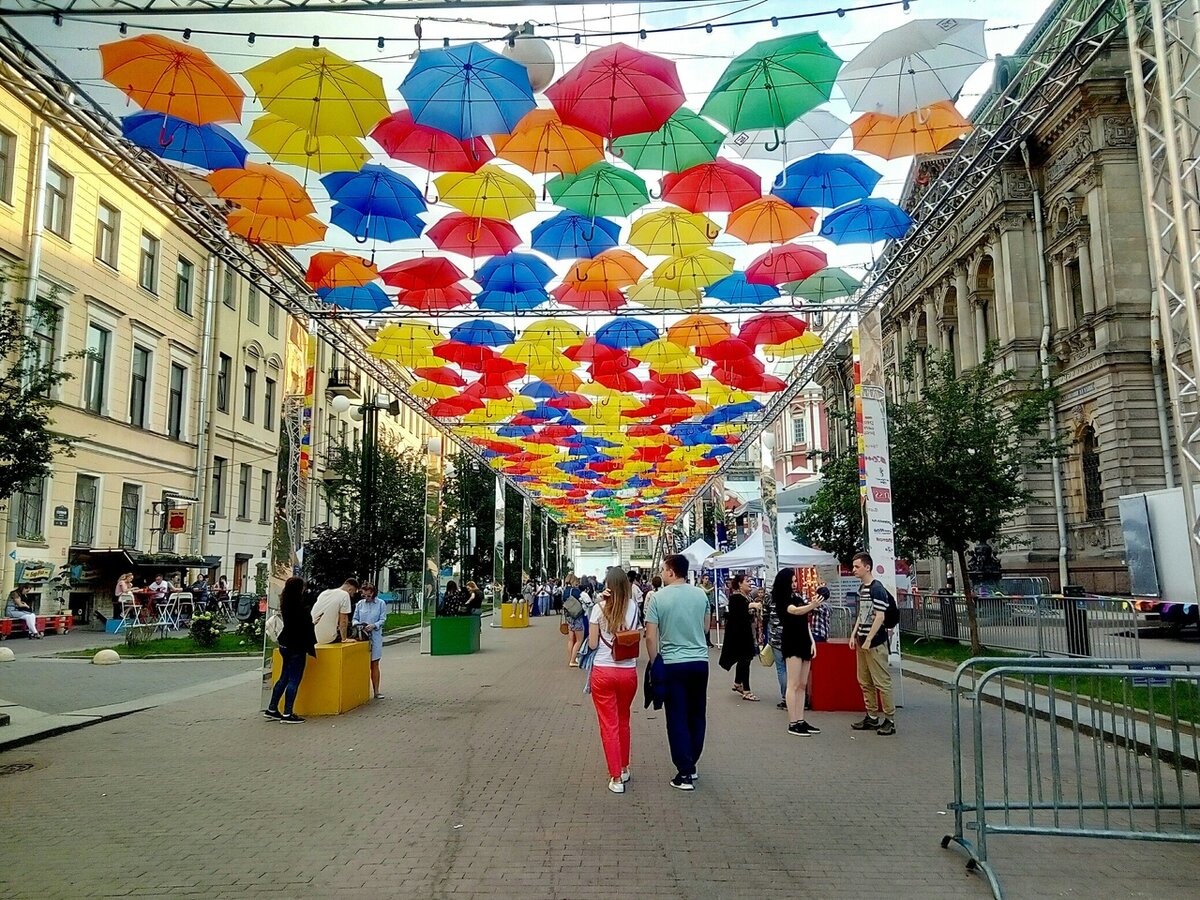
1075, 613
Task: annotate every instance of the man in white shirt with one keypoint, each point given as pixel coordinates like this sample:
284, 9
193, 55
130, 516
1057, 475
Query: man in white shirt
331, 613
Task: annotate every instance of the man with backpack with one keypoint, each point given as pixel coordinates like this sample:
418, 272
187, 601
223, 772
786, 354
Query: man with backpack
877, 613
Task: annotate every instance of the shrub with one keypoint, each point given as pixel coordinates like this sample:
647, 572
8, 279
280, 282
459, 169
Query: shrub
206, 630
252, 632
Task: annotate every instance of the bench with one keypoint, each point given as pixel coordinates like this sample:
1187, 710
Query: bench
56, 624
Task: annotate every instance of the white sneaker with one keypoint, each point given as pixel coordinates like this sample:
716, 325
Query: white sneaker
616, 785
625, 776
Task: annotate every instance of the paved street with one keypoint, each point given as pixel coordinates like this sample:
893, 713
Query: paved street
482, 777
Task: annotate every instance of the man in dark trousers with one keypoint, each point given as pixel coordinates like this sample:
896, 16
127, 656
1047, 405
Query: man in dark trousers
676, 620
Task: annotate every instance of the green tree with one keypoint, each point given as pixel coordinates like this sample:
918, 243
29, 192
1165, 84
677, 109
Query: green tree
833, 519
959, 456
469, 502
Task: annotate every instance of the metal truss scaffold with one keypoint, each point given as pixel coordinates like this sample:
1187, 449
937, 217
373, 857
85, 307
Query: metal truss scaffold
297, 482
193, 7
1165, 81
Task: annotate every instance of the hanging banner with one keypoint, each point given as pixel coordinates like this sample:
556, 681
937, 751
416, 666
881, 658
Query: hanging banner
770, 519
856, 364
310, 401
177, 520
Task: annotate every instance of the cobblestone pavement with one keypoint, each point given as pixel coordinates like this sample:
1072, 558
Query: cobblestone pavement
482, 777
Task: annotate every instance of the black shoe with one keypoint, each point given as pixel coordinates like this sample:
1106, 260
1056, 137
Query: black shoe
782, 704
799, 729
867, 724
887, 729
272, 714
291, 719
683, 783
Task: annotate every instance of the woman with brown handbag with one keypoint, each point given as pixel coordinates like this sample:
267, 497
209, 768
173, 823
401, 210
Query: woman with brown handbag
614, 634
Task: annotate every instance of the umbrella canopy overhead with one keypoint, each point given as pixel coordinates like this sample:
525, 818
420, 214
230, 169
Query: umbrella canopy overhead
825, 180
289, 143
866, 221
473, 236
601, 189
543, 143
162, 75
404, 139
811, 133
927, 130
202, 146
720, 185
489, 193
685, 140
322, 93
467, 91
569, 235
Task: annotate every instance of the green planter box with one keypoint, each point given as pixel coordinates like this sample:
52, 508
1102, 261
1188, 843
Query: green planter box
454, 635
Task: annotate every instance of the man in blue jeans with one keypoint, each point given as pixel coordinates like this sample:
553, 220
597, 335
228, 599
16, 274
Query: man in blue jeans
676, 621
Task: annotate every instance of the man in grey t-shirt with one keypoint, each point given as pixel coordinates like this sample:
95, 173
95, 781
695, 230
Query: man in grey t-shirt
870, 643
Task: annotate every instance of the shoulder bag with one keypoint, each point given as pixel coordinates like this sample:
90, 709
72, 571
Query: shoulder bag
627, 643
766, 655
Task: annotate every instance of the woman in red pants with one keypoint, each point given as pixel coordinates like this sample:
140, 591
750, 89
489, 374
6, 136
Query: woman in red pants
614, 680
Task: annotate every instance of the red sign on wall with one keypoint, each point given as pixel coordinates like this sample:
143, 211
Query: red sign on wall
177, 521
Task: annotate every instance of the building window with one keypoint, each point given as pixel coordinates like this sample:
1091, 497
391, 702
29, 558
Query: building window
131, 507
248, 395
108, 230
1093, 489
8, 164
185, 274
84, 531
31, 507
96, 368
269, 405
217, 506
45, 333
138, 381
1075, 291
252, 304
243, 507
641, 545
272, 319
799, 429
175, 401
223, 364
59, 186
148, 267
229, 287
266, 502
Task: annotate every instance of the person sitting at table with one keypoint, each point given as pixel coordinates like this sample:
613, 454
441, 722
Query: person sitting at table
18, 607
200, 595
159, 589
123, 594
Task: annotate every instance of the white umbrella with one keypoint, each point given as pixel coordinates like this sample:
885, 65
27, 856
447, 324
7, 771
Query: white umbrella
811, 133
912, 66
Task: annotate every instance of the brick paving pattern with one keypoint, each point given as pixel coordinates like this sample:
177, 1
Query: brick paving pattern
482, 777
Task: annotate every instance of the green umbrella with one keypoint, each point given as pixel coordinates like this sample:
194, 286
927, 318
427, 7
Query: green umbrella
685, 140
599, 190
827, 284
774, 83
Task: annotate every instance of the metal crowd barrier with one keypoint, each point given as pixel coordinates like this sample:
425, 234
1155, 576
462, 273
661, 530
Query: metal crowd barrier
1045, 625
1075, 748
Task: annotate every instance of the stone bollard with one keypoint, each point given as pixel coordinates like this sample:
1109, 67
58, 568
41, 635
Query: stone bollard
106, 657
6, 655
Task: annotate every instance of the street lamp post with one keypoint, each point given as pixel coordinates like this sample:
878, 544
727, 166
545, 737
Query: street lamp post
368, 414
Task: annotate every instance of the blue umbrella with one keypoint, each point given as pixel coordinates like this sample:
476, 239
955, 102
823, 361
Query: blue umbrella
568, 419
694, 435
511, 301
825, 180
588, 475
367, 298
719, 450
731, 412
539, 390
569, 235
377, 190
543, 413
482, 333
524, 478
865, 222
637, 481
467, 91
622, 334
572, 466
202, 146
369, 227
736, 289
562, 485
514, 272
515, 431
602, 493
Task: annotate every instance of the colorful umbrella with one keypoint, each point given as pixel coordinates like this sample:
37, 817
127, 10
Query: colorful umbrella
865, 222
465, 356
422, 273
927, 130
473, 237
673, 232
336, 269
582, 297
370, 226
323, 94
437, 298
554, 332
720, 185
624, 333
360, 298
801, 346
162, 75
375, 189
482, 333
791, 262
202, 146
825, 180
769, 220
289, 143
694, 271
667, 357
771, 328
617, 90
599, 190
541, 143
774, 83
827, 284
428, 148
611, 270
685, 140
698, 331
262, 189
652, 295
514, 272
811, 133
568, 235
488, 193
736, 289
467, 91
286, 231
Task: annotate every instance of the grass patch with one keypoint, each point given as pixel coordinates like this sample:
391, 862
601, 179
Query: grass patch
947, 651
230, 642
399, 620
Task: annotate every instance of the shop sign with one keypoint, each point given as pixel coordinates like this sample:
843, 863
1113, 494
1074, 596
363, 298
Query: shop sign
61, 516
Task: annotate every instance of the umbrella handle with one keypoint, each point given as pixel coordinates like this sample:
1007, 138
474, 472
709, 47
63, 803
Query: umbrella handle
580, 275
712, 232
652, 195
164, 139
474, 238
773, 146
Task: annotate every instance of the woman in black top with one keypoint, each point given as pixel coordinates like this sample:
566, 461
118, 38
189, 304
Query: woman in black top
297, 642
797, 645
740, 645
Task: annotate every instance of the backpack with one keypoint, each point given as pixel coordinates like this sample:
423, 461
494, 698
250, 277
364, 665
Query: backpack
572, 607
891, 618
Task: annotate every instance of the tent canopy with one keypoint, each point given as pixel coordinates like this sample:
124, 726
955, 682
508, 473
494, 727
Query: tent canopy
749, 554
698, 552
793, 553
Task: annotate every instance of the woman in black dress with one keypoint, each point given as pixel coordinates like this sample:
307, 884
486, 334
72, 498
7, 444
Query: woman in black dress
797, 645
297, 642
740, 645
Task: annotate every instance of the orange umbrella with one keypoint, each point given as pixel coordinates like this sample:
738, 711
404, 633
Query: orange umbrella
608, 271
335, 269
542, 143
927, 130
166, 76
262, 189
698, 331
562, 381
287, 232
770, 220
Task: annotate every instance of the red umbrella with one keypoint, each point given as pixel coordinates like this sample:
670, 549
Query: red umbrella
621, 361
577, 494
582, 298
422, 273
497, 446
684, 381
453, 408
487, 390
755, 382
440, 375
790, 262
558, 432
772, 328
570, 401
590, 351
618, 90
745, 365
427, 148
618, 380
706, 463
434, 299
472, 236
715, 186
652, 454
727, 350
466, 355
498, 370
645, 431
605, 467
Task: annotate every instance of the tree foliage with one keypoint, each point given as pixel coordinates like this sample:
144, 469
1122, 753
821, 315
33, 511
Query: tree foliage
832, 520
469, 501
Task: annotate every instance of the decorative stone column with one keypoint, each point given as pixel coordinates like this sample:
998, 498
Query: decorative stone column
1000, 293
981, 335
1086, 285
1062, 311
967, 355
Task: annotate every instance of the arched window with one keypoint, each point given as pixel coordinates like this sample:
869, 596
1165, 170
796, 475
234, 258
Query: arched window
1093, 489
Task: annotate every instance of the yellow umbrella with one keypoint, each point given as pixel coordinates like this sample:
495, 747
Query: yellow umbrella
673, 232
694, 271
532, 352
322, 93
801, 346
554, 332
288, 143
489, 193
407, 342
431, 390
655, 296
667, 357
550, 365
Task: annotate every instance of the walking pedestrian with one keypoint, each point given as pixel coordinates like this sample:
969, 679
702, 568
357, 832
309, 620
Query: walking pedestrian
740, 645
676, 624
774, 637
369, 615
297, 642
869, 641
614, 681
797, 646
710, 594
575, 614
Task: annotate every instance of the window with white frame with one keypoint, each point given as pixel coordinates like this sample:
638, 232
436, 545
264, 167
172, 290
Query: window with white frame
131, 508
95, 371
248, 394
108, 231
87, 489
269, 396
175, 401
229, 286
8, 164
266, 500
148, 265
185, 276
139, 380
272, 319
217, 506
31, 510
799, 429
45, 332
253, 303
59, 187
223, 366
243, 507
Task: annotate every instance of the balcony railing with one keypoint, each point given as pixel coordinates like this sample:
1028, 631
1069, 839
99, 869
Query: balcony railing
344, 382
